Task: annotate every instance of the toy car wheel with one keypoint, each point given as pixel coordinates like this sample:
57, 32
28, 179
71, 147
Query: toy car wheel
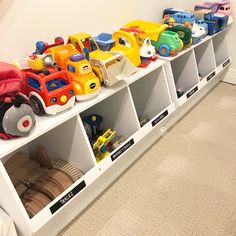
36, 106
164, 50
189, 44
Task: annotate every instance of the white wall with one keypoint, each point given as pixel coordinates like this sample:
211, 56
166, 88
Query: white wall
23, 22
232, 34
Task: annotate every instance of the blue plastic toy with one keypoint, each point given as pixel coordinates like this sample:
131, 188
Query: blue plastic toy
104, 41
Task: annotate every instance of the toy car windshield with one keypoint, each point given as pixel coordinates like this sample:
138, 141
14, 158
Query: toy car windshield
55, 84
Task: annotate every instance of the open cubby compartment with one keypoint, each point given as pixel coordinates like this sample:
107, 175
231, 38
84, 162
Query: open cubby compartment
205, 58
185, 73
150, 95
221, 47
118, 113
66, 142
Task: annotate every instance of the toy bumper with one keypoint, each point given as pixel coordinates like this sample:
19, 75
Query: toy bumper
87, 96
52, 110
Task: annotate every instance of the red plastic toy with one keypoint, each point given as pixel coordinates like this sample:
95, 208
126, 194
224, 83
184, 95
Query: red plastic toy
50, 92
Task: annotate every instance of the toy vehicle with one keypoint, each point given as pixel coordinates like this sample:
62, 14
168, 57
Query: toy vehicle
49, 94
127, 41
198, 33
222, 7
42, 46
185, 34
166, 42
215, 22
202, 23
104, 41
85, 83
109, 67
16, 118
41, 62
225, 10
184, 31
100, 148
182, 17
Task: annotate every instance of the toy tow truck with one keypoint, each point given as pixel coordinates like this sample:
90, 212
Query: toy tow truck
166, 42
110, 67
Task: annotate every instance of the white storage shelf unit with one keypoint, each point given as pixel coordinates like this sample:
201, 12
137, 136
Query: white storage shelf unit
194, 67
149, 94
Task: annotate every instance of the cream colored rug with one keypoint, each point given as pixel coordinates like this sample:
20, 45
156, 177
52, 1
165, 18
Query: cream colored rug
184, 185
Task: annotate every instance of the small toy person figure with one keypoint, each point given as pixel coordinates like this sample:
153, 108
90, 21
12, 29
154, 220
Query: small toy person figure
171, 22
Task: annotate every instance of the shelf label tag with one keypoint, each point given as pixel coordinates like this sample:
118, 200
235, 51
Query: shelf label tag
122, 149
67, 197
209, 77
160, 118
226, 63
194, 90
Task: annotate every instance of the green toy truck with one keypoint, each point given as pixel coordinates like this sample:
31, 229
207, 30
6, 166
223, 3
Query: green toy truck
165, 41
185, 34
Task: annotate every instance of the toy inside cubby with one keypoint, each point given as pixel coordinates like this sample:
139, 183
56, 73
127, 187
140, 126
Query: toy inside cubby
205, 58
185, 72
118, 113
150, 95
221, 47
66, 142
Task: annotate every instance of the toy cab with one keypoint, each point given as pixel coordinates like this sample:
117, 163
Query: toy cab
49, 94
85, 83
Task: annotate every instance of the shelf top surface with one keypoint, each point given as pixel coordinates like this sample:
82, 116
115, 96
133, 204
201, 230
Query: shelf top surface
47, 123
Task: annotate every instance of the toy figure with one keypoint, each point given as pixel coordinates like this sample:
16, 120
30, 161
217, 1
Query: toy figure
93, 126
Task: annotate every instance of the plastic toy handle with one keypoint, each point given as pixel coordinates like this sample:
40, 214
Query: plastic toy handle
86, 52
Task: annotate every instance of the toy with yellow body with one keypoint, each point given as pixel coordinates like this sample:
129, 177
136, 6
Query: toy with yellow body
110, 67
85, 83
127, 43
100, 146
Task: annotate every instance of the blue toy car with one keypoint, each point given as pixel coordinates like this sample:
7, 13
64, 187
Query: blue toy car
182, 17
215, 22
202, 23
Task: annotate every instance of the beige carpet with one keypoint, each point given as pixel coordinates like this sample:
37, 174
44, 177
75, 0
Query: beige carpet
184, 185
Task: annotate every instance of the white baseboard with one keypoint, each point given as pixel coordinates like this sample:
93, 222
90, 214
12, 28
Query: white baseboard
230, 76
